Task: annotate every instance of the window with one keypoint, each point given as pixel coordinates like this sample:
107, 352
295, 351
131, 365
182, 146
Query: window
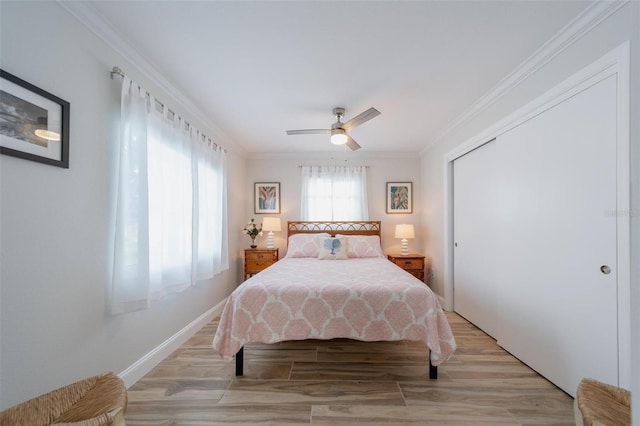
334, 193
171, 204
210, 207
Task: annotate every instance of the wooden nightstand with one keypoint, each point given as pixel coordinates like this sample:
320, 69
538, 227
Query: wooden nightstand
255, 260
412, 263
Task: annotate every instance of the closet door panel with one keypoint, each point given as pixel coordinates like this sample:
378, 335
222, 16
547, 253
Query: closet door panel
557, 181
474, 221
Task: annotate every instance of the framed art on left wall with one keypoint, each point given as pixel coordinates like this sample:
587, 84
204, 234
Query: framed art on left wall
34, 124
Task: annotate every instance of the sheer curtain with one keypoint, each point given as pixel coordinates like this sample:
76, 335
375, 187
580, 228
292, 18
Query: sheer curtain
334, 193
210, 209
170, 205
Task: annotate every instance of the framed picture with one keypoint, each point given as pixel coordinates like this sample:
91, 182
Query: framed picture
266, 197
34, 124
399, 197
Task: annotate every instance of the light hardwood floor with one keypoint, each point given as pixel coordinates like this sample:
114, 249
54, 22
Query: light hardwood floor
347, 382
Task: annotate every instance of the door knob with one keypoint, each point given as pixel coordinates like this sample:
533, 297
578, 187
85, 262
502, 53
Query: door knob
605, 269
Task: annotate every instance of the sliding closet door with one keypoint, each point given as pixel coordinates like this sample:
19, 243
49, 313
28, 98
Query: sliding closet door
474, 227
557, 244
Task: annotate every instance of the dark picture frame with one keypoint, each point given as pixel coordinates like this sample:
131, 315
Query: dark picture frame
266, 197
34, 124
399, 197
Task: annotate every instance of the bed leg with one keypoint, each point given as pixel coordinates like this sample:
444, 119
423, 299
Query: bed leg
240, 361
433, 370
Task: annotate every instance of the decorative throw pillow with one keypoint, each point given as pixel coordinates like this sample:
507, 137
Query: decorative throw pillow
304, 245
363, 246
333, 249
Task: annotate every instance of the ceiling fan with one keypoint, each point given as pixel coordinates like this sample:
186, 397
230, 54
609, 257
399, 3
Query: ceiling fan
338, 130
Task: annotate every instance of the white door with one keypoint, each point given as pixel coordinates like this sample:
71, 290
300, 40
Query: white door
556, 266
474, 233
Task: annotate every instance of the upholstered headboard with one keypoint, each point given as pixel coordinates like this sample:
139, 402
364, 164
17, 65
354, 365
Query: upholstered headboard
333, 228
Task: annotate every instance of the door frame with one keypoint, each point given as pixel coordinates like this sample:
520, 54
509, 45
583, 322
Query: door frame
616, 62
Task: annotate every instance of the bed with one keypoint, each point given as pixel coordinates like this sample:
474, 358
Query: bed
334, 282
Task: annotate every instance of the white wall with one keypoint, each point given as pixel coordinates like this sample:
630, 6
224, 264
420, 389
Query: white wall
621, 26
381, 169
55, 249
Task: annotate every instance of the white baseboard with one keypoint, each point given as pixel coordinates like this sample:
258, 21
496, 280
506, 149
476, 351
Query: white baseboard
142, 366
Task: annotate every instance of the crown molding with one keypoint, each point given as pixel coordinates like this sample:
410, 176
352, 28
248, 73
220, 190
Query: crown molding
87, 16
563, 39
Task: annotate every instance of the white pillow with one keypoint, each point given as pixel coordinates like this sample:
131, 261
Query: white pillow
363, 245
304, 245
333, 249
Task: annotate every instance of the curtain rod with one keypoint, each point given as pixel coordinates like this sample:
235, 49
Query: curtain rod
118, 71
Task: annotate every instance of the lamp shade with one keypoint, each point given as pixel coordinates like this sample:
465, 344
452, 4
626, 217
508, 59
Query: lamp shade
271, 224
405, 231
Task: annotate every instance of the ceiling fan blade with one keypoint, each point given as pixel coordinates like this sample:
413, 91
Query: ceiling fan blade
361, 118
309, 131
353, 145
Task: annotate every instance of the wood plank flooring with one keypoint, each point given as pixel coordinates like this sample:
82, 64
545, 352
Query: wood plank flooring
347, 382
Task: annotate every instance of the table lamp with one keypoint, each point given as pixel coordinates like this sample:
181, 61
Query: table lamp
404, 231
271, 224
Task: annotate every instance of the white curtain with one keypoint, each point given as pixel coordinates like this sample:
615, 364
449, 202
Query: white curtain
210, 212
334, 193
170, 205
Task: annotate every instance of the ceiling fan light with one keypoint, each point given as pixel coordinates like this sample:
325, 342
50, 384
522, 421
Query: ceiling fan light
338, 137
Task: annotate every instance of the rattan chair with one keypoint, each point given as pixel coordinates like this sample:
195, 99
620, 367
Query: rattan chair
96, 401
600, 404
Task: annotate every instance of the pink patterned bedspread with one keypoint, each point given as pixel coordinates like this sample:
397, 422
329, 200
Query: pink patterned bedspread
367, 299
